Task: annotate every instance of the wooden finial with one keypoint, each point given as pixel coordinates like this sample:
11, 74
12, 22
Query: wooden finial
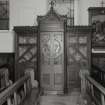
52, 3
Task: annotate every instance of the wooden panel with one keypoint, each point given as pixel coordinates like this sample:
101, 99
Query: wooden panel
7, 60
46, 79
78, 56
52, 60
52, 27
26, 50
58, 78
73, 79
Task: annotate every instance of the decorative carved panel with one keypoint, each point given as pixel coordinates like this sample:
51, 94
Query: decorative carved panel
78, 56
52, 59
51, 48
26, 49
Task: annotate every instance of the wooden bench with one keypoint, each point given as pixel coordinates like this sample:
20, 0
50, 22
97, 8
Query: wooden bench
95, 90
16, 93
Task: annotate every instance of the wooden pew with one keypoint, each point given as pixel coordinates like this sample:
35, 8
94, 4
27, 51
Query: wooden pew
95, 90
16, 93
98, 73
4, 78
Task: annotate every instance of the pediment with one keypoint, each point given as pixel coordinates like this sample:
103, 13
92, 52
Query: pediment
51, 17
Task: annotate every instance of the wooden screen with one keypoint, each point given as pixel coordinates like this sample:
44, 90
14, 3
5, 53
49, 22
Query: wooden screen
78, 54
52, 61
26, 50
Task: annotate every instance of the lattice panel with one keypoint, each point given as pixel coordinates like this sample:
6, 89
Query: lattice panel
83, 51
27, 40
22, 50
77, 48
4, 9
27, 53
82, 40
26, 49
78, 44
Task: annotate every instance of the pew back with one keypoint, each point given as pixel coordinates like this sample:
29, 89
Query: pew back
16, 93
95, 90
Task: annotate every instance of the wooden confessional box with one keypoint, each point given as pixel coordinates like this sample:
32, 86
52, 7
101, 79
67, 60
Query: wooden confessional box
58, 54
52, 52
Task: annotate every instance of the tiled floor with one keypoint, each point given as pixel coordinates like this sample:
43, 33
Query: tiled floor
74, 98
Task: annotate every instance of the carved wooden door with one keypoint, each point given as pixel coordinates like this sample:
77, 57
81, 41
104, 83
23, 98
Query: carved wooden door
52, 61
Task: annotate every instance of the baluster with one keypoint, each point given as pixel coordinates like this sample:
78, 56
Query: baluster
29, 84
102, 99
92, 90
9, 101
89, 87
25, 90
15, 98
86, 85
104, 79
101, 75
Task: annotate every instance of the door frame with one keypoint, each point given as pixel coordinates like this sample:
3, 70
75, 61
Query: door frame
65, 62
65, 57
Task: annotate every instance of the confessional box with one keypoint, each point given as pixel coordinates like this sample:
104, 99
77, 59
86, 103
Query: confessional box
51, 52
